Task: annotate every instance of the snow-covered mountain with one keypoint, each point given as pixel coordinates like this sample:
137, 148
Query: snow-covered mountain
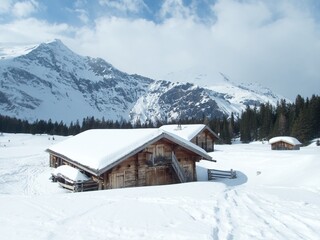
50, 81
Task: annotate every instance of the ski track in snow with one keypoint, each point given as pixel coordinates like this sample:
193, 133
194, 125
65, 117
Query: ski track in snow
236, 210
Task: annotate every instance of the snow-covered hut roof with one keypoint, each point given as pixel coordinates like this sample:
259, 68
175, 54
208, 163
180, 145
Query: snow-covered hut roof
100, 149
70, 173
187, 131
286, 139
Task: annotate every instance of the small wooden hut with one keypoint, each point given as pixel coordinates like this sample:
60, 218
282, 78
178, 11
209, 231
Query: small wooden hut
199, 134
284, 143
117, 158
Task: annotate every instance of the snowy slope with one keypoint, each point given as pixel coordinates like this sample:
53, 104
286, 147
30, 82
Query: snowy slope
170, 101
276, 196
229, 96
232, 97
53, 82
50, 81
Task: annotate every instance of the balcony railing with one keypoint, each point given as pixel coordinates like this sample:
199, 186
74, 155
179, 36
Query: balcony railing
173, 161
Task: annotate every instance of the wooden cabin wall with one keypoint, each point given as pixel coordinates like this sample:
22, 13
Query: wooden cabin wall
56, 161
283, 146
205, 140
188, 161
139, 170
52, 161
161, 148
132, 173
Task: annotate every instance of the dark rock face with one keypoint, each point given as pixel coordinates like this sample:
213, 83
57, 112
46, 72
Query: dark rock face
190, 102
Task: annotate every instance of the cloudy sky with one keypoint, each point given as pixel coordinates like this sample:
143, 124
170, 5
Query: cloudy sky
272, 42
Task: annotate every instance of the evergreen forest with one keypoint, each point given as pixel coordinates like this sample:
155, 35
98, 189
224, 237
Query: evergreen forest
300, 119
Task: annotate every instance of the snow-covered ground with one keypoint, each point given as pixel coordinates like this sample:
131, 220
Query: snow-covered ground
276, 196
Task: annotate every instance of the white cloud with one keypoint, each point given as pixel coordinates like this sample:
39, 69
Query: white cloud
83, 15
174, 9
274, 43
125, 6
141, 46
31, 30
252, 41
5, 6
80, 3
24, 8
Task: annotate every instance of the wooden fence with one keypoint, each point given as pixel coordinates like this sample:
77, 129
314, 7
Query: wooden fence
86, 186
214, 174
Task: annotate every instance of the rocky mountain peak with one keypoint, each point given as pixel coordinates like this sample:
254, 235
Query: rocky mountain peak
51, 81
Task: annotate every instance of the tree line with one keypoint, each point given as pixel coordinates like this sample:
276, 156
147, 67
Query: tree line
300, 119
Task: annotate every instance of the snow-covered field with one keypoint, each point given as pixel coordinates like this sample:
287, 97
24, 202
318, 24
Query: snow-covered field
276, 196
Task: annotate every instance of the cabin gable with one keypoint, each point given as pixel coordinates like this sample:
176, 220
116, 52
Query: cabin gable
205, 139
199, 134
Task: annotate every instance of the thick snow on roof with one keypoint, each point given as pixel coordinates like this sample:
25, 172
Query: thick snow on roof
286, 139
187, 131
71, 173
100, 148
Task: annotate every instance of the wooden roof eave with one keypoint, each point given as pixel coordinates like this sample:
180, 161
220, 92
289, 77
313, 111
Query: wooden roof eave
203, 129
211, 160
75, 163
212, 132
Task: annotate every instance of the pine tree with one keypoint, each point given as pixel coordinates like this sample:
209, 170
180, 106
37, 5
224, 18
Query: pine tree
245, 131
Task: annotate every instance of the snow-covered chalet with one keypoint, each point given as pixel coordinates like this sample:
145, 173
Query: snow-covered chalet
284, 143
117, 158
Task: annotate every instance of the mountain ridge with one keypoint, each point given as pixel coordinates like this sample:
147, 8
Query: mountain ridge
50, 81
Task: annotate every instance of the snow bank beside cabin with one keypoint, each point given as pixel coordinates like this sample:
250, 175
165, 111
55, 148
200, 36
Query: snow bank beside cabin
261, 166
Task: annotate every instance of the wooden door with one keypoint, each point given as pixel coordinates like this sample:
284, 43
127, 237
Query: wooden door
188, 171
156, 176
151, 178
117, 180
